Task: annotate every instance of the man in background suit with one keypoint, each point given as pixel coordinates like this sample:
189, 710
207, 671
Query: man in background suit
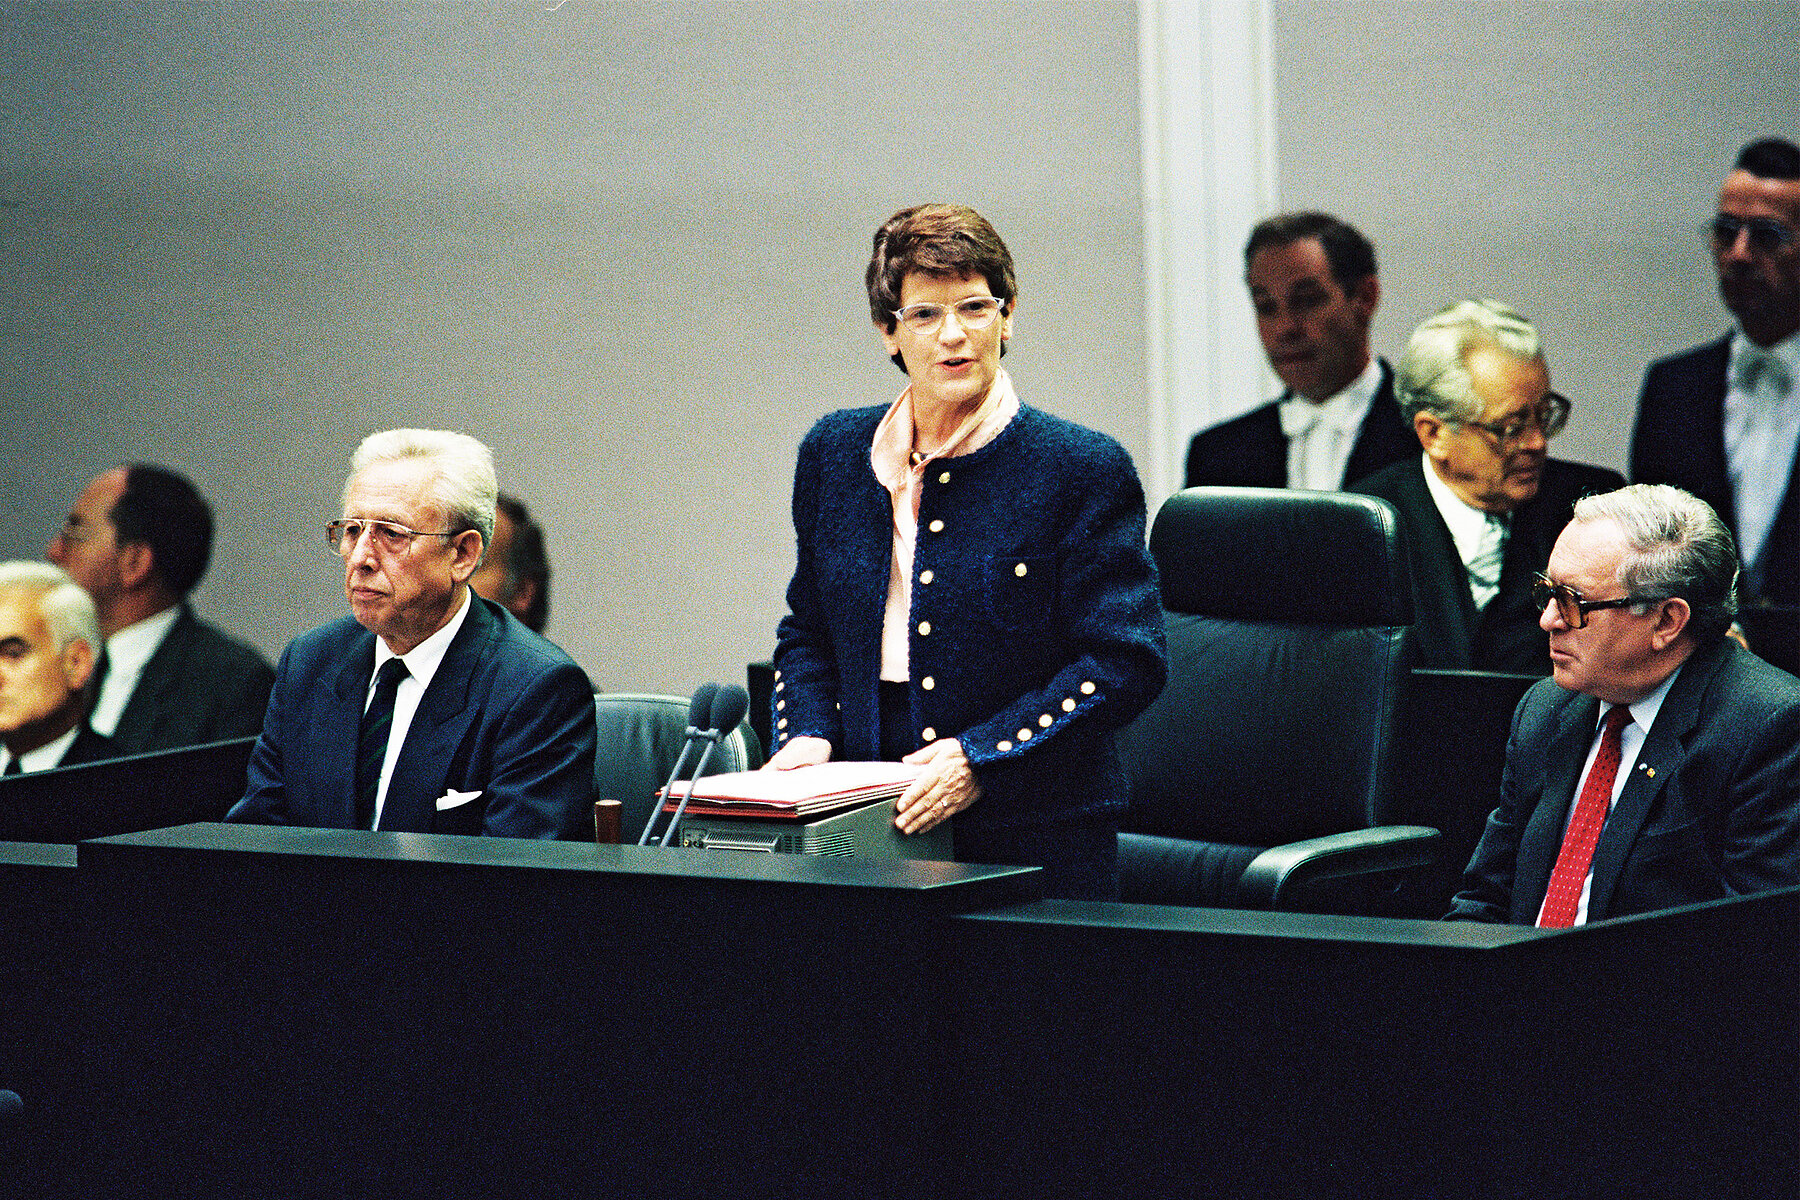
429, 709
1723, 420
1660, 763
139, 539
515, 573
1483, 504
48, 635
1313, 284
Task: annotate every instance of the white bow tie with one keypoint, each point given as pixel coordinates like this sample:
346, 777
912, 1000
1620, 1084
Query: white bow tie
1754, 364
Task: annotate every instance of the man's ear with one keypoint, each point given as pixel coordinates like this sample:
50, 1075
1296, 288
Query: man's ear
137, 562
466, 547
1430, 428
78, 662
1671, 620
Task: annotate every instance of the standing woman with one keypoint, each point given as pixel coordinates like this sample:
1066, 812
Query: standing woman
971, 592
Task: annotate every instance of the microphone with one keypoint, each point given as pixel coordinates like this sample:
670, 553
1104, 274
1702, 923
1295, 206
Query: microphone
699, 711
728, 708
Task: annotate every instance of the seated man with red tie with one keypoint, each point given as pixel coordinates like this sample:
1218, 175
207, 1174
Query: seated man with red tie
1660, 763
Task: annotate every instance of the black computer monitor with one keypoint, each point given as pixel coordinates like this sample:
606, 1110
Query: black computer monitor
124, 795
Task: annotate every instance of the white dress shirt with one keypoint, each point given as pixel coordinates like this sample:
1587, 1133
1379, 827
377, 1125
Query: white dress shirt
44, 757
422, 662
1470, 528
1321, 436
1762, 429
128, 652
1631, 740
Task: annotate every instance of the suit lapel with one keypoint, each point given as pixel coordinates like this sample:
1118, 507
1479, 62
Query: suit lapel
422, 770
1564, 758
337, 746
1443, 571
1661, 755
161, 674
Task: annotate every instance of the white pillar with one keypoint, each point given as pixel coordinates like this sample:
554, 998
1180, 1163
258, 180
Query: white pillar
1206, 78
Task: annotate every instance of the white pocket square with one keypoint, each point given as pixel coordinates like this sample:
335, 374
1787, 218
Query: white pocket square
455, 799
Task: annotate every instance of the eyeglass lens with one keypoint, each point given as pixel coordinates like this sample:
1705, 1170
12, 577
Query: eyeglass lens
1766, 235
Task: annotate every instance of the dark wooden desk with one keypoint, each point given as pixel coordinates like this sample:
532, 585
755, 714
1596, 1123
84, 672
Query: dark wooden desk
311, 1013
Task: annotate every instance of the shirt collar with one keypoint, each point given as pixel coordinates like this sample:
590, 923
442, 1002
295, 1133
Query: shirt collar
1463, 518
130, 649
45, 756
423, 660
1343, 411
891, 451
1643, 712
1787, 351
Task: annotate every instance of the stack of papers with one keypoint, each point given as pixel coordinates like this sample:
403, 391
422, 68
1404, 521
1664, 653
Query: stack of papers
800, 792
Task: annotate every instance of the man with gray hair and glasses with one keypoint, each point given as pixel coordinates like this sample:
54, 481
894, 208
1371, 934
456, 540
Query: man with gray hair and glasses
1483, 503
49, 646
1660, 763
428, 709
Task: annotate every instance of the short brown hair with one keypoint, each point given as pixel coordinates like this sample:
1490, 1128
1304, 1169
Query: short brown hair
944, 241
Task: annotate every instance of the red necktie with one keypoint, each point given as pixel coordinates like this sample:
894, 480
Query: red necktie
1563, 898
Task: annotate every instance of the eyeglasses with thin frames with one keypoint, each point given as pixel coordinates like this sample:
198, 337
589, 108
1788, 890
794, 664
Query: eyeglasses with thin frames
1767, 235
1570, 604
974, 312
1549, 416
388, 537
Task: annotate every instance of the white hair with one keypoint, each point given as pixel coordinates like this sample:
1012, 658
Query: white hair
68, 611
465, 483
1433, 375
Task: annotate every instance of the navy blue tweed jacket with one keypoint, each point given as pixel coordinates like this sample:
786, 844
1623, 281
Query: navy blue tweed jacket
1035, 628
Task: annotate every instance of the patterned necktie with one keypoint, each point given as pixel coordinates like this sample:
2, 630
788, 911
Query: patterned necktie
1490, 555
372, 739
1563, 897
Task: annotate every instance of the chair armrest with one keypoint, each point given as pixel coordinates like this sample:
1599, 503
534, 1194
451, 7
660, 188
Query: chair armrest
1275, 874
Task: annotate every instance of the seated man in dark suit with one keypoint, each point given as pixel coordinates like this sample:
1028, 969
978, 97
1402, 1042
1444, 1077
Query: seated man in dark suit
515, 574
429, 709
139, 539
1483, 504
1313, 284
48, 635
1723, 420
1660, 763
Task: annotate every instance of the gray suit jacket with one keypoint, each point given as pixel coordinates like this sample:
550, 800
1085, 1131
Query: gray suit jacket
1712, 808
200, 686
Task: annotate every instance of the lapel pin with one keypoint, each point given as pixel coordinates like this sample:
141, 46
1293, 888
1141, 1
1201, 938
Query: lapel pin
1647, 769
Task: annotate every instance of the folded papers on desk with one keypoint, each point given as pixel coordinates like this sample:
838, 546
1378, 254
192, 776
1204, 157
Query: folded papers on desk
801, 792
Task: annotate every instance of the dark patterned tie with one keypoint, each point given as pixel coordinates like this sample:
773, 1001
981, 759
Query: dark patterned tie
1563, 898
13, 767
372, 739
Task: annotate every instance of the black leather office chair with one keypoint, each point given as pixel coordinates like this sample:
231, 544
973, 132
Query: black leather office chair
640, 736
1265, 767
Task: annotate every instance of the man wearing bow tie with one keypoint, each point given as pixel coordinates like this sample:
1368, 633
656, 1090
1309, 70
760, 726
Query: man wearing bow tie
1659, 765
1723, 420
1313, 284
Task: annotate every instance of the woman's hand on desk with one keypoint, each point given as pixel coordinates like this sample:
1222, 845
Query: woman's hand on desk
800, 752
946, 787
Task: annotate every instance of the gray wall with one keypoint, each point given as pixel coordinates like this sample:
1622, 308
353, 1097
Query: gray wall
623, 245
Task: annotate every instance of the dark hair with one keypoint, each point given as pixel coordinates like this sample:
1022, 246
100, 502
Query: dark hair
1770, 158
944, 241
526, 559
164, 511
1350, 254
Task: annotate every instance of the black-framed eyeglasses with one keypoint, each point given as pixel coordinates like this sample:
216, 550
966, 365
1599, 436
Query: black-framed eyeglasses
1767, 235
1570, 605
388, 537
1548, 416
975, 312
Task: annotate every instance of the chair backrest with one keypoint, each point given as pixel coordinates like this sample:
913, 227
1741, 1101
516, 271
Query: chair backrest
640, 737
1286, 614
